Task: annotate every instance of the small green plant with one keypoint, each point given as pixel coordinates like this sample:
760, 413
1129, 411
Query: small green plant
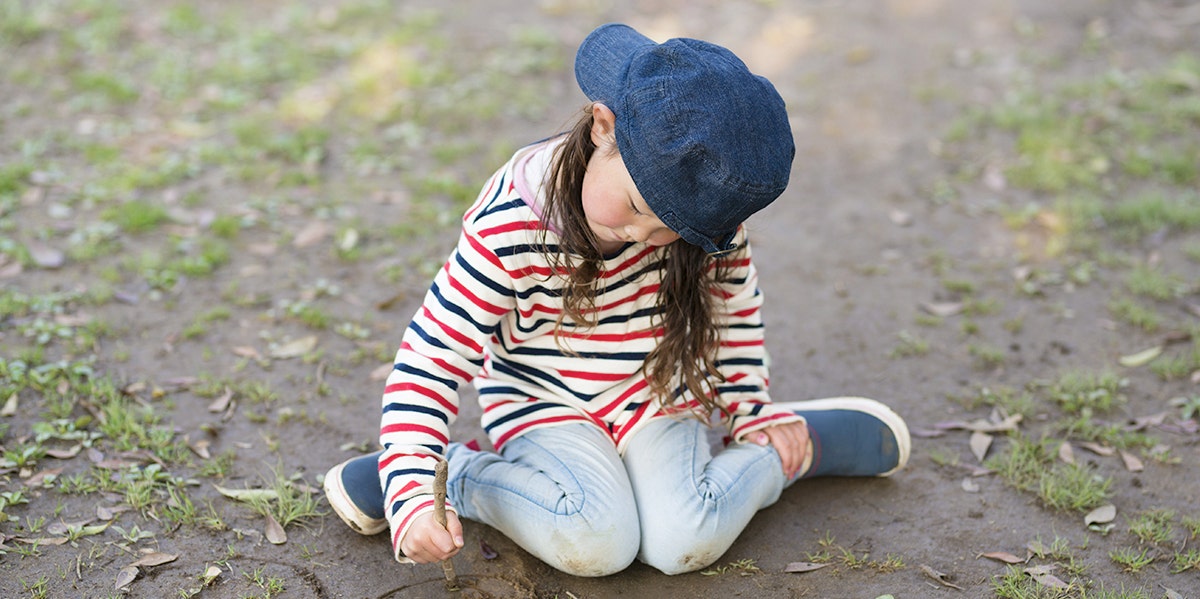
742, 567
136, 216
1131, 559
1186, 561
1134, 314
1074, 391
290, 503
1147, 282
1153, 526
986, 357
910, 345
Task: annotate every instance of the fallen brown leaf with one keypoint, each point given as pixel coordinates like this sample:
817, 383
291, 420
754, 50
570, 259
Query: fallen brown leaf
1098, 449
274, 532
219, 404
1065, 453
801, 567
125, 577
980, 443
1101, 515
1132, 462
939, 577
1042, 575
294, 348
311, 234
65, 454
1003, 556
942, 309
10, 405
152, 559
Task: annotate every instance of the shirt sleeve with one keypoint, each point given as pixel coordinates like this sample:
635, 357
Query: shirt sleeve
442, 349
742, 357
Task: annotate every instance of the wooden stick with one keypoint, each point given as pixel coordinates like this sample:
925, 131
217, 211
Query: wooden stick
439, 514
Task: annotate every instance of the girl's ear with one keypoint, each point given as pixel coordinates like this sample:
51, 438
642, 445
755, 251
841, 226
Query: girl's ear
603, 123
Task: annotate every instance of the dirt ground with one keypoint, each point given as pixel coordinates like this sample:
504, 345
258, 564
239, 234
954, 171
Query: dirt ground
878, 218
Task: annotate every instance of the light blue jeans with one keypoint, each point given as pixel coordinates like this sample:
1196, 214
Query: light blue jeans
565, 495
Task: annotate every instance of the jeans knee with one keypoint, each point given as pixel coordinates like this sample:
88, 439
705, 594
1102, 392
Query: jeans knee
680, 554
590, 550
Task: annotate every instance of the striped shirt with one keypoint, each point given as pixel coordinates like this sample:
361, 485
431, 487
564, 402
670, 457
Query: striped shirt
490, 317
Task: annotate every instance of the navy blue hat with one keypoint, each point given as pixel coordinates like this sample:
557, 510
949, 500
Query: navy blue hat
706, 141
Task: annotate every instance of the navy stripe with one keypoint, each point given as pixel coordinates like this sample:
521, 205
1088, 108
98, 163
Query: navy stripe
521, 413
416, 409
453, 384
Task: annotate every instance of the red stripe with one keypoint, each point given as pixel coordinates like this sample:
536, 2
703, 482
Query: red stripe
384, 463
614, 338
741, 343
592, 376
524, 225
415, 388
467, 293
452, 333
484, 252
405, 427
404, 522
622, 398
746, 312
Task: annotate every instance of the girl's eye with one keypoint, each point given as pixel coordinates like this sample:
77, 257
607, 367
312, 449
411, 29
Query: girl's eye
633, 207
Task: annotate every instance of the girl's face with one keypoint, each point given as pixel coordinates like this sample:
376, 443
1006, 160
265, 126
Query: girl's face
615, 210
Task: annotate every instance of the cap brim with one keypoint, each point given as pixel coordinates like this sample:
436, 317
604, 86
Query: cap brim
603, 59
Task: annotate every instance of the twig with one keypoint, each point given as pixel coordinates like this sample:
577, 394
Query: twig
439, 514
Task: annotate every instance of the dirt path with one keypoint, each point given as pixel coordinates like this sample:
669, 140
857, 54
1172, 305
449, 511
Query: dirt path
914, 259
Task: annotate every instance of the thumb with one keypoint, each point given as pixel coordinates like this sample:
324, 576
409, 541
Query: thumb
454, 527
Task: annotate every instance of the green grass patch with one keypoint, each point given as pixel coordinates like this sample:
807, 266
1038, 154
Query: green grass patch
1134, 314
1148, 282
1099, 392
136, 216
1030, 466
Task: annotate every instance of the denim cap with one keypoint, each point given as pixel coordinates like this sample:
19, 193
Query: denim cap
706, 141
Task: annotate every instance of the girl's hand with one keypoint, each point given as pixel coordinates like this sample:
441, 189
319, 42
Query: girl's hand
427, 542
790, 440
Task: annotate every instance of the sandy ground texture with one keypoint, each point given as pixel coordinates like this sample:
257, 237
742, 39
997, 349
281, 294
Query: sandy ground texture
907, 262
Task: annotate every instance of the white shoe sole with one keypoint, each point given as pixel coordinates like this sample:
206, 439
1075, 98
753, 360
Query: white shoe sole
342, 505
868, 406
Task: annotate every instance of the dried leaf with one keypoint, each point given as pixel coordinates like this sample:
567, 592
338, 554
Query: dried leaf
1098, 449
1042, 575
1003, 556
248, 494
1101, 515
487, 551
65, 454
1141, 358
980, 443
295, 349
1171, 593
900, 218
41, 540
1144, 422
10, 406
942, 309
274, 532
311, 234
200, 448
106, 513
245, 351
801, 567
222, 402
125, 577
1132, 463
939, 577
969, 485
48, 474
210, 574
925, 433
1065, 453
154, 559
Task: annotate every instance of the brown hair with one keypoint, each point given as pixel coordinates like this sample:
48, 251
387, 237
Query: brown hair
685, 309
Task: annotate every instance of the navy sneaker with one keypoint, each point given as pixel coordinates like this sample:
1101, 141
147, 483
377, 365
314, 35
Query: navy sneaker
353, 490
853, 436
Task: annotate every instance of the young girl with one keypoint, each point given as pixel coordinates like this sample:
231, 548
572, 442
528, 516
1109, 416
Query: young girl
603, 301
